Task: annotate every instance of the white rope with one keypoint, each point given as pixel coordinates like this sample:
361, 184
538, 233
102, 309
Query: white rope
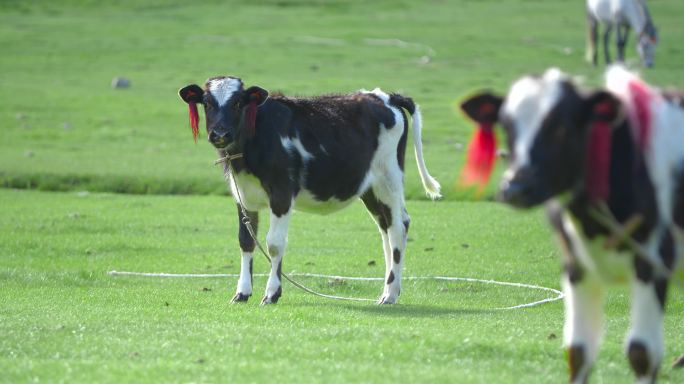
558, 294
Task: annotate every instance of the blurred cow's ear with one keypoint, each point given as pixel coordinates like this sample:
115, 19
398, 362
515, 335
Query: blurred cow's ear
254, 94
602, 106
191, 93
483, 107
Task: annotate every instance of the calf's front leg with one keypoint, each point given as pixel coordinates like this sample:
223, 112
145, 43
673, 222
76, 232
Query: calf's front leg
644, 342
276, 240
583, 321
247, 244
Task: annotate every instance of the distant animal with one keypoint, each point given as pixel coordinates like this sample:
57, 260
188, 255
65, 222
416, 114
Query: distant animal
607, 164
621, 15
315, 154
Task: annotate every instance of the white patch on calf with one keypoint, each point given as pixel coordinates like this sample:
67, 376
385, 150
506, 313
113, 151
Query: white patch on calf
379, 93
307, 202
223, 89
294, 144
249, 187
529, 102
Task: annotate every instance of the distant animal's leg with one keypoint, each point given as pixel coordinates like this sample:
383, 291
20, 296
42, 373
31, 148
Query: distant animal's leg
606, 42
247, 244
645, 339
583, 321
621, 35
276, 240
381, 215
592, 40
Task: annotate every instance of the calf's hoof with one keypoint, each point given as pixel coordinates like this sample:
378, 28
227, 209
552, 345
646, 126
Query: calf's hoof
273, 299
240, 298
386, 299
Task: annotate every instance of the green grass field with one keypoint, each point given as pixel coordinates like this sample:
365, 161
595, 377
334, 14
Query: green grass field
155, 203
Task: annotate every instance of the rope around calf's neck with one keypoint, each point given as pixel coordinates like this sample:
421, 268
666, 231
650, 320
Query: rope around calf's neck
601, 213
228, 160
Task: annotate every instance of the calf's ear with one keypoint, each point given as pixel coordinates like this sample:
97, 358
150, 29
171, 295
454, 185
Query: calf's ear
483, 107
602, 106
254, 94
191, 93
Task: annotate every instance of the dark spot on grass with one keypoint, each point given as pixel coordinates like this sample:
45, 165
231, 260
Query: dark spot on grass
552, 336
371, 263
429, 249
464, 245
200, 361
309, 263
205, 289
166, 304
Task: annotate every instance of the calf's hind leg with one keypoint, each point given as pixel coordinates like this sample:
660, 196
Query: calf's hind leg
247, 244
393, 220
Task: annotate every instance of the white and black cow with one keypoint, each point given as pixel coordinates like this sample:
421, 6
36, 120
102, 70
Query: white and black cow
575, 151
314, 154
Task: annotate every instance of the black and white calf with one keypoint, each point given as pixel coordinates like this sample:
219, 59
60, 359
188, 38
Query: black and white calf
577, 151
316, 154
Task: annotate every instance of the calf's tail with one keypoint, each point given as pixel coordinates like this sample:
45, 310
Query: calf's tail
430, 185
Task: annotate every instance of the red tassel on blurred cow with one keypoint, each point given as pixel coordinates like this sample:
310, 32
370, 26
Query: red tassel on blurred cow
480, 157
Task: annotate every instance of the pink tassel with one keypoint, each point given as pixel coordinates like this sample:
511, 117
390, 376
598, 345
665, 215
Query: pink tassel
250, 117
480, 158
641, 97
598, 161
194, 120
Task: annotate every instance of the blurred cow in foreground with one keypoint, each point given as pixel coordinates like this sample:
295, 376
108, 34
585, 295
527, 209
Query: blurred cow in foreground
621, 15
609, 165
316, 154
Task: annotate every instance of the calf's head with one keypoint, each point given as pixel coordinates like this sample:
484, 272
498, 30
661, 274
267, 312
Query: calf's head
549, 126
229, 109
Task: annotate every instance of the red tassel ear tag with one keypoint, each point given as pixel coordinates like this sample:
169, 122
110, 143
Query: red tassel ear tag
480, 157
250, 117
194, 120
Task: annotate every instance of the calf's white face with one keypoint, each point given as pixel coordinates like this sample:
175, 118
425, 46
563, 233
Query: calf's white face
225, 102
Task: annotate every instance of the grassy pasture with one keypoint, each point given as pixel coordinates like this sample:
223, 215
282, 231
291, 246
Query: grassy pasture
64, 128
62, 319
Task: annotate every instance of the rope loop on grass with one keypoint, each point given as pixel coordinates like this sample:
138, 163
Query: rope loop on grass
558, 294
230, 175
